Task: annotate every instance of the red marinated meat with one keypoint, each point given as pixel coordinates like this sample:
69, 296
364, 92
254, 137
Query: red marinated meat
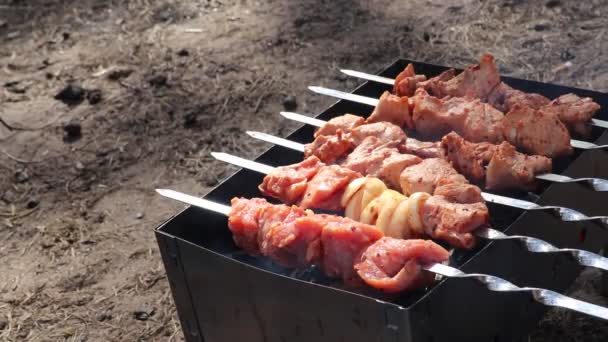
503, 97
343, 242
407, 81
244, 222
427, 175
355, 252
575, 112
393, 265
468, 158
345, 123
511, 169
329, 148
393, 109
536, 132
373, 158
296, 240
453, 222
288, 183
472, 119
386, 132
423, 149
325, 189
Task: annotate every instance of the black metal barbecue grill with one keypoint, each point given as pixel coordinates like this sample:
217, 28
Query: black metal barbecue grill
224, 295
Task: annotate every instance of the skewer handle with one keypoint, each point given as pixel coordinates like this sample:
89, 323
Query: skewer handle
596, 184
565, 214
535, 245
543, 296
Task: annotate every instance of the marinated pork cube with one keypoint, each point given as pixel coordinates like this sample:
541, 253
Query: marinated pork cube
536, 132
394, 265
427, 175
345, 123
393, 109
511, 169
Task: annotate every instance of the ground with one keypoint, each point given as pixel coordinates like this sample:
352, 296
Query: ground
160, 84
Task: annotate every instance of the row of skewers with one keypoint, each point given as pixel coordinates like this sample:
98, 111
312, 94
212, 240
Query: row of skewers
396, 191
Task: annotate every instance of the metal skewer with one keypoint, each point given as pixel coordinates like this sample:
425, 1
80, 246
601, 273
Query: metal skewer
390, 81
566, 214
543, 296
374, 102
535, 245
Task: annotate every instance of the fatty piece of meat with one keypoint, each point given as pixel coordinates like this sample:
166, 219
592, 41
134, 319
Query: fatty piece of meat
343, 241
386, 132
536, 132
453, 222
295, 241
373, 158
468, 158
325, 189
435, 85
459, 192
423, 149
288, 183
474, 120
407, 81
285, 239
503, 97
391, 168
575, 112
427, 175
475, 81
394, 109
368, 156
431, 117
345, 123
511, 169
394, 265
330, 148
243, 222
482, 123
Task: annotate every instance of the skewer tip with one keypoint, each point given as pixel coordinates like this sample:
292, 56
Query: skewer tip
253, 134
162, 192
218, 155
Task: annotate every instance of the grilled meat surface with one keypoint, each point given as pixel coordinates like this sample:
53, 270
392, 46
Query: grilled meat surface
536, 132
393, 265
355, 252
468, 158
509, 168
474, 120
332, 187
394, 109
482, 81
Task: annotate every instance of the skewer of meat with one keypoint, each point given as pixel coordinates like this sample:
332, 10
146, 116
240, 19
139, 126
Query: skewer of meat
506, 168
353, 251
310, 184
482, 81
530, 130
565, 214
500, 166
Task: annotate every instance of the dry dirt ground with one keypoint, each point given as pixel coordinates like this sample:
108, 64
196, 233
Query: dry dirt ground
163, 83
